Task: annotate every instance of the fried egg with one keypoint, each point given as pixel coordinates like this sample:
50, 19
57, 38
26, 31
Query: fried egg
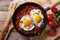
37, 17
26, 23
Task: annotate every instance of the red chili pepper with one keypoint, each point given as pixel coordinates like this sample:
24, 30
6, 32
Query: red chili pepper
54, 9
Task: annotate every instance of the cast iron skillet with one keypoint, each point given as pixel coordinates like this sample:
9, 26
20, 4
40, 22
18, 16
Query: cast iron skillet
43, 24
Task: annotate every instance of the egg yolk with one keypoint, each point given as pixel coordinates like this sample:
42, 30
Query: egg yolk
37, 17
27, 22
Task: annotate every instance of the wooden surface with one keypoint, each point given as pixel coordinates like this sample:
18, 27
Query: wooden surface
4, 4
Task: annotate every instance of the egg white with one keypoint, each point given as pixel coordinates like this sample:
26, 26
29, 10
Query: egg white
32, 13
22, 24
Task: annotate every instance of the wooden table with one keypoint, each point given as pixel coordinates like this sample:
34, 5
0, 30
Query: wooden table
3, 16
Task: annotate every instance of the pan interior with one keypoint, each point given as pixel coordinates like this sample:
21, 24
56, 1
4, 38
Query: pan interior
17, 17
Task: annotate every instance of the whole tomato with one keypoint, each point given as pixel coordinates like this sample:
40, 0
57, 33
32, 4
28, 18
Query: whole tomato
51, 23
50, 16
54, 9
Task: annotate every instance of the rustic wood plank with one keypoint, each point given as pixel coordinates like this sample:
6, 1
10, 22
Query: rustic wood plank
6, 0
17, 36
4, 4
3, 16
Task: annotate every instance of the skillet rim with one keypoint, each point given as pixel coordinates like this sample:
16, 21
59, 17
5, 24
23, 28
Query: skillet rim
35, 4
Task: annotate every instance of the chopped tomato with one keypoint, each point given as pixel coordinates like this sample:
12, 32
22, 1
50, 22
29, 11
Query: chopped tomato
28, 32
33, 7
19, 28
23, 11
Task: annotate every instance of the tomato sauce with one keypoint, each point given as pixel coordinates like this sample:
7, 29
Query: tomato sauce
25, 11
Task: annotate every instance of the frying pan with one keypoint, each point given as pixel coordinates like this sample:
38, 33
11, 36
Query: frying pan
43, 12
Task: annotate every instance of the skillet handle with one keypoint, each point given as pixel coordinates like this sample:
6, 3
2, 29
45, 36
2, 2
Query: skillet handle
53, 5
